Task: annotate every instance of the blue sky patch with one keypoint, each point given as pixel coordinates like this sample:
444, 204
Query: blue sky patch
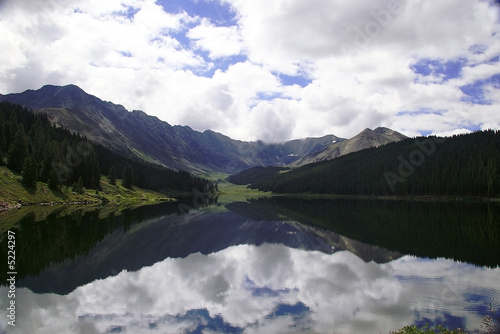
425, 133
219, 14
206, 322
475, 92
472, 127
285, 309
221, 64
448, 70
129, 12
495, 59
181, 35
268, 96
423, 111
478, 49
126, 54
263, 291
480, 304
299, 312
289, 80
449, 321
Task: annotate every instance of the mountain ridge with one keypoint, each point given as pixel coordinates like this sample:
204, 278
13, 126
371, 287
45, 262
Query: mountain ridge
135, 133
365, 139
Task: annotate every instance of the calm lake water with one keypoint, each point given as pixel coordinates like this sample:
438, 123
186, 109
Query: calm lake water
272, 265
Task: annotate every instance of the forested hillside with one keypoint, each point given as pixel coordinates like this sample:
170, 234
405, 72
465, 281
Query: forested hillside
463, 165
41, 152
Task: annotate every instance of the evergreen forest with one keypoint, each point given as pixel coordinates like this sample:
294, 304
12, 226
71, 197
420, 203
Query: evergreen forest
41, 152
462, 165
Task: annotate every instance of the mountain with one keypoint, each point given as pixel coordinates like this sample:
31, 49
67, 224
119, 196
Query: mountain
138, 134
365, 139
43, 152
465, 165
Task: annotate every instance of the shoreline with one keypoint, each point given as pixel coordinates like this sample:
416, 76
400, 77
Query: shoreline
5, 207
416, 198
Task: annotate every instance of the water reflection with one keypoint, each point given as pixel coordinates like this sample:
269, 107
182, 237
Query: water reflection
467, 232
264, 266
179, 236
268, 289
65, 235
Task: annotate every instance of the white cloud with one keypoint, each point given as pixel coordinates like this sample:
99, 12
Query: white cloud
357, 58
362, 55
217, 41
340, 290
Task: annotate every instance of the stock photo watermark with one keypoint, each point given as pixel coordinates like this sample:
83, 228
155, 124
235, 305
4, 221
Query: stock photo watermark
11, 280
73, 159
200, 199
408, 165
363, 35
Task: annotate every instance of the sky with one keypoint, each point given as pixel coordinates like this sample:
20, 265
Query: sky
267, 70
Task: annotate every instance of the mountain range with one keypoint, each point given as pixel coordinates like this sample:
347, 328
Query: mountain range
140, 135
365, 139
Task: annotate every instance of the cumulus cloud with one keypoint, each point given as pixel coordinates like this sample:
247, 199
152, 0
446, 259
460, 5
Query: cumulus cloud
235, 288
217, 41
362, 65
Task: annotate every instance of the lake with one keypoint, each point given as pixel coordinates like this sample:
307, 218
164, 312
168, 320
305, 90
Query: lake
269, 265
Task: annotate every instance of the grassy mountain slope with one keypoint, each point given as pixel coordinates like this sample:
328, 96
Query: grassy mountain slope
13, 193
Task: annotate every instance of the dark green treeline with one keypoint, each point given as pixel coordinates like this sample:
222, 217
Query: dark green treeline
463, 165
41, 152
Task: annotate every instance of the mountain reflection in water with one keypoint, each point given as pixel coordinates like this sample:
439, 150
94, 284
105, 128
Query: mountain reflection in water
248, 268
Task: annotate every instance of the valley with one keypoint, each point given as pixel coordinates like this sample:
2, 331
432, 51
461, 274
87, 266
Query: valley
118, 193
250, 167
379, 162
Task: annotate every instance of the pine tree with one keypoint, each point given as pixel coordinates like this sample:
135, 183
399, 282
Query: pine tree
53, 182
11, 128
39, 140
29, 175
46, 168
3, 140
18, 151
128, 176
95, 171
78, 186
112, 176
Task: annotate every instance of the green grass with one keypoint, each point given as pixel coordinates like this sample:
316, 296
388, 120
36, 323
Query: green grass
119, 193
229, 192
13, 192
212, 176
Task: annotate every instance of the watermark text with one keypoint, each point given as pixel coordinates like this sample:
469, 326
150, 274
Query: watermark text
11, 274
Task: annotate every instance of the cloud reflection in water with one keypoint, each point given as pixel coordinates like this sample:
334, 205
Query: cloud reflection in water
267, 289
